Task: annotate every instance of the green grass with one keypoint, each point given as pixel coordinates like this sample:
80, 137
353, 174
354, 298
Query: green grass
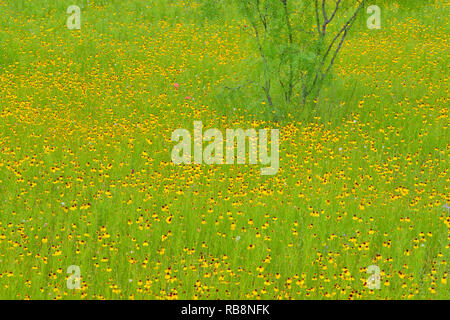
86, 176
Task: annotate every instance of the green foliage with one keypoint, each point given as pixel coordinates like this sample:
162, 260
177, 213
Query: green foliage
211, 9
297, 44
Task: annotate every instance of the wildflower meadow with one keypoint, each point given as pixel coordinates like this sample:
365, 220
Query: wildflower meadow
205, 150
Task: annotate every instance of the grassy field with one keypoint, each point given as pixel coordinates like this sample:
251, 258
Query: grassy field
86, 177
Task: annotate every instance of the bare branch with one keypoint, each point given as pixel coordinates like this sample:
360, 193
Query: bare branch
334, 12
346, 26
324, 11
290, 34
261, 17
321, 76
316, 5
326, 20
266, 86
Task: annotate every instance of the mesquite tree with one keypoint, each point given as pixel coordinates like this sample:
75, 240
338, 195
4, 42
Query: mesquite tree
297, 43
